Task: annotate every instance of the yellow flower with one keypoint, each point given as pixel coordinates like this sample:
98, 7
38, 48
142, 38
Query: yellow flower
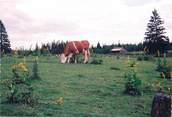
60, 100
20, 66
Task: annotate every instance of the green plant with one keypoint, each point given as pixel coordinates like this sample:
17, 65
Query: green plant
140, 58
133, 83
45, 51
131, 63
148, 58
163, 68
35, 74
161, 64
132, 86
19, 86
96, 61
145, 58
117, 57
76, 58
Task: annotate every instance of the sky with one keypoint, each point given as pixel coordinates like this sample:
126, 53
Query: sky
106, 21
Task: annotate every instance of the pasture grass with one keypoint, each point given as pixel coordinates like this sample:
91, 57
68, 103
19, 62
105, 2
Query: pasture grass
88, 90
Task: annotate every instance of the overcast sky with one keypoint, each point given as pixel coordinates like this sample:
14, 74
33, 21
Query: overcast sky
107, 21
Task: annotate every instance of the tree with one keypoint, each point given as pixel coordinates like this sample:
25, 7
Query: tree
155, 39
5, 43
98, 45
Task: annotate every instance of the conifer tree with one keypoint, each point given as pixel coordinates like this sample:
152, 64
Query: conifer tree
155, 40
5, 43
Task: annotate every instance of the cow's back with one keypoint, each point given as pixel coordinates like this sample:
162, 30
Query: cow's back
74, 46
85, 44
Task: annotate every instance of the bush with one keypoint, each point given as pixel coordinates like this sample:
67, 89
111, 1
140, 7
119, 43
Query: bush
145, 58
133, 83
140, 58
132, 86
96, 61
117, 57
77, 58
35, 74
131, 63
19, 86
45, 51
156, 87
164, 68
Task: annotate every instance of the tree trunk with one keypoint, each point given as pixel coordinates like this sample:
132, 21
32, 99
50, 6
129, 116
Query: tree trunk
162, 105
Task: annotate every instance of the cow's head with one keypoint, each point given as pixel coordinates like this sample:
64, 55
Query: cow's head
63, 58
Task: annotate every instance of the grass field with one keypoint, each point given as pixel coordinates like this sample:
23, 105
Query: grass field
88, 90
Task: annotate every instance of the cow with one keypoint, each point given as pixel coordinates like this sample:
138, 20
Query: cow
75, 47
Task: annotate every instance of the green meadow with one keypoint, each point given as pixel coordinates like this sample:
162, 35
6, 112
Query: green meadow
87, 90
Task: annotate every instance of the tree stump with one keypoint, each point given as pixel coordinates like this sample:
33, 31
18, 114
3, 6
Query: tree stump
162, 105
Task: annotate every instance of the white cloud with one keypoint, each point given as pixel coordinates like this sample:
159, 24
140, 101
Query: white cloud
106, 21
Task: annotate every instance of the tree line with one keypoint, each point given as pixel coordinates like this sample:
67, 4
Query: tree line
105, 49
46, 49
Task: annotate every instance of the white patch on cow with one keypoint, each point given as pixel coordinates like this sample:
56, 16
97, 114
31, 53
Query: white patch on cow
63, 58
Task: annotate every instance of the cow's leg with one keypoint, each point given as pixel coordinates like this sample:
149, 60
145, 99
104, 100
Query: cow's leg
69, 57
88, 54
75, 59
85, 56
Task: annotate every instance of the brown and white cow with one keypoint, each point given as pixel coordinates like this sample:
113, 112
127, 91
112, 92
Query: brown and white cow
75, 47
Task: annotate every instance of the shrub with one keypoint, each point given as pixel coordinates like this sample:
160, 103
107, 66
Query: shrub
164, 68
149, 87
140, 58
45, 51
96, 61
132, 86
156, 87
161, 64
117, 57
19, 86
76, 58
133, 83
131, 63
145, 58
35, 74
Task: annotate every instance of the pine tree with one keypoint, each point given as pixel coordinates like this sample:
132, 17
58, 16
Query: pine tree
155, 39
98, 45
5, 43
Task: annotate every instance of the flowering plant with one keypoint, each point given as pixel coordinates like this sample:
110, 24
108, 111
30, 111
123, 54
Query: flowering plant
19, 86
132, 85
